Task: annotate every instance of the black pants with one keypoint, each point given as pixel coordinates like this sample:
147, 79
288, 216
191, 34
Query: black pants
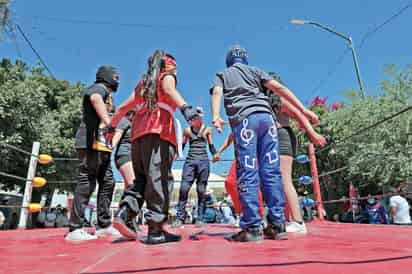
193, 170
152, 163
94, 167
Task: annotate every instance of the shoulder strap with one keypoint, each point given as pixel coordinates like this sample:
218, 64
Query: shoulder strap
192, 135
202, 131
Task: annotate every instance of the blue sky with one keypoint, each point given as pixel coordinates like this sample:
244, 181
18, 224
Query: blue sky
75, 37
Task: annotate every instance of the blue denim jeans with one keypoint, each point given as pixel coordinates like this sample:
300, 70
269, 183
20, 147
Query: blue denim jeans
258, 168
193, 170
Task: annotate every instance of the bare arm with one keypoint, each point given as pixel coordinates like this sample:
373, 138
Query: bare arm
169, 86
117, 136
100, 107
126, 106
392, 212
209, 135
212, 148
228, 141
303, 122
286, 94
185, 137
216, 103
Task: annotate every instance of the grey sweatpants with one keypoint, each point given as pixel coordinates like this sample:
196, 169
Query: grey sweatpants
152, 163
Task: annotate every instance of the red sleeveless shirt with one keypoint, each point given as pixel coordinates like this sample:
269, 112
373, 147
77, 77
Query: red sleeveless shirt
160, 120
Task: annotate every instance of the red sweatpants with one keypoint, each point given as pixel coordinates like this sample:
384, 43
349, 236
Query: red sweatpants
231, 189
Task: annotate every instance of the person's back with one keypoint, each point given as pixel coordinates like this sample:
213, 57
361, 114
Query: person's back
375, 212
256, 143
243, 91
401, 215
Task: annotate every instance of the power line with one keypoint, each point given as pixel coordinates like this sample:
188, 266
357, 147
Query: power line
362, 130
380, 26
189, 27
34, 50
332, 69
122, 24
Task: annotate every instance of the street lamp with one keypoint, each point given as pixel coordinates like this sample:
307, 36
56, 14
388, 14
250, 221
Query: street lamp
347, 38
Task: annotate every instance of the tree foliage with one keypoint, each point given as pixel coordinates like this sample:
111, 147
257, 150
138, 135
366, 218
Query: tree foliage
4, 15
374, 158
36, 107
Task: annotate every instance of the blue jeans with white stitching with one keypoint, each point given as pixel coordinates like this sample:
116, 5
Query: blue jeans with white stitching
258, 168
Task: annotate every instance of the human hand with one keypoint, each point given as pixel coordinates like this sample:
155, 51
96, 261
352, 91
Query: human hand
317, 139
216, 158
312, 117
218, 123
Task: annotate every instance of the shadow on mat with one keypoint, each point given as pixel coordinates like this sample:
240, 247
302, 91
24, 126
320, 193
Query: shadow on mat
197, 236
253, 265
223, 226
123, 240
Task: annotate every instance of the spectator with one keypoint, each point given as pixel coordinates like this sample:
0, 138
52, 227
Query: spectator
211, 206
306, 204
2, 219
336, 217
5, 212
375, 212
226, 211
61, 219
399, 209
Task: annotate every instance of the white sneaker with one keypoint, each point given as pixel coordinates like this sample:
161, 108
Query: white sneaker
295, 227
108, 231
79, 235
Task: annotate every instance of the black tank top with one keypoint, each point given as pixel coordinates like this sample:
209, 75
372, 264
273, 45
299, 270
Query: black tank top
197, 145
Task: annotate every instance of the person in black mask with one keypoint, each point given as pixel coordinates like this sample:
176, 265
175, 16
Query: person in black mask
196, 167
94, 155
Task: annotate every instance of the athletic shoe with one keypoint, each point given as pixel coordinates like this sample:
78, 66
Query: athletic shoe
79, 235
237, 223
177, 224
276, 231
108, 231
253, 234
295, 227
125, 222
161, 237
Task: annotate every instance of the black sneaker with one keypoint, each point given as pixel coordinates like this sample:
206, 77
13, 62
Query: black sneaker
125, 222
162, 237
247, 235
177, 224
276, 231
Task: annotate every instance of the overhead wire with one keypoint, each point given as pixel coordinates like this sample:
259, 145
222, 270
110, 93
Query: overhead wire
362, 130
26, 38
384, 23
332, 69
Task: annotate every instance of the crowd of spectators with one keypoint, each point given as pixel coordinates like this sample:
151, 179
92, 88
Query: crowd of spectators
393, 208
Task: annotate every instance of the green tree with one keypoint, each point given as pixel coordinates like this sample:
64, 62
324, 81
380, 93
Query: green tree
4, 15
37, 107
375, 158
